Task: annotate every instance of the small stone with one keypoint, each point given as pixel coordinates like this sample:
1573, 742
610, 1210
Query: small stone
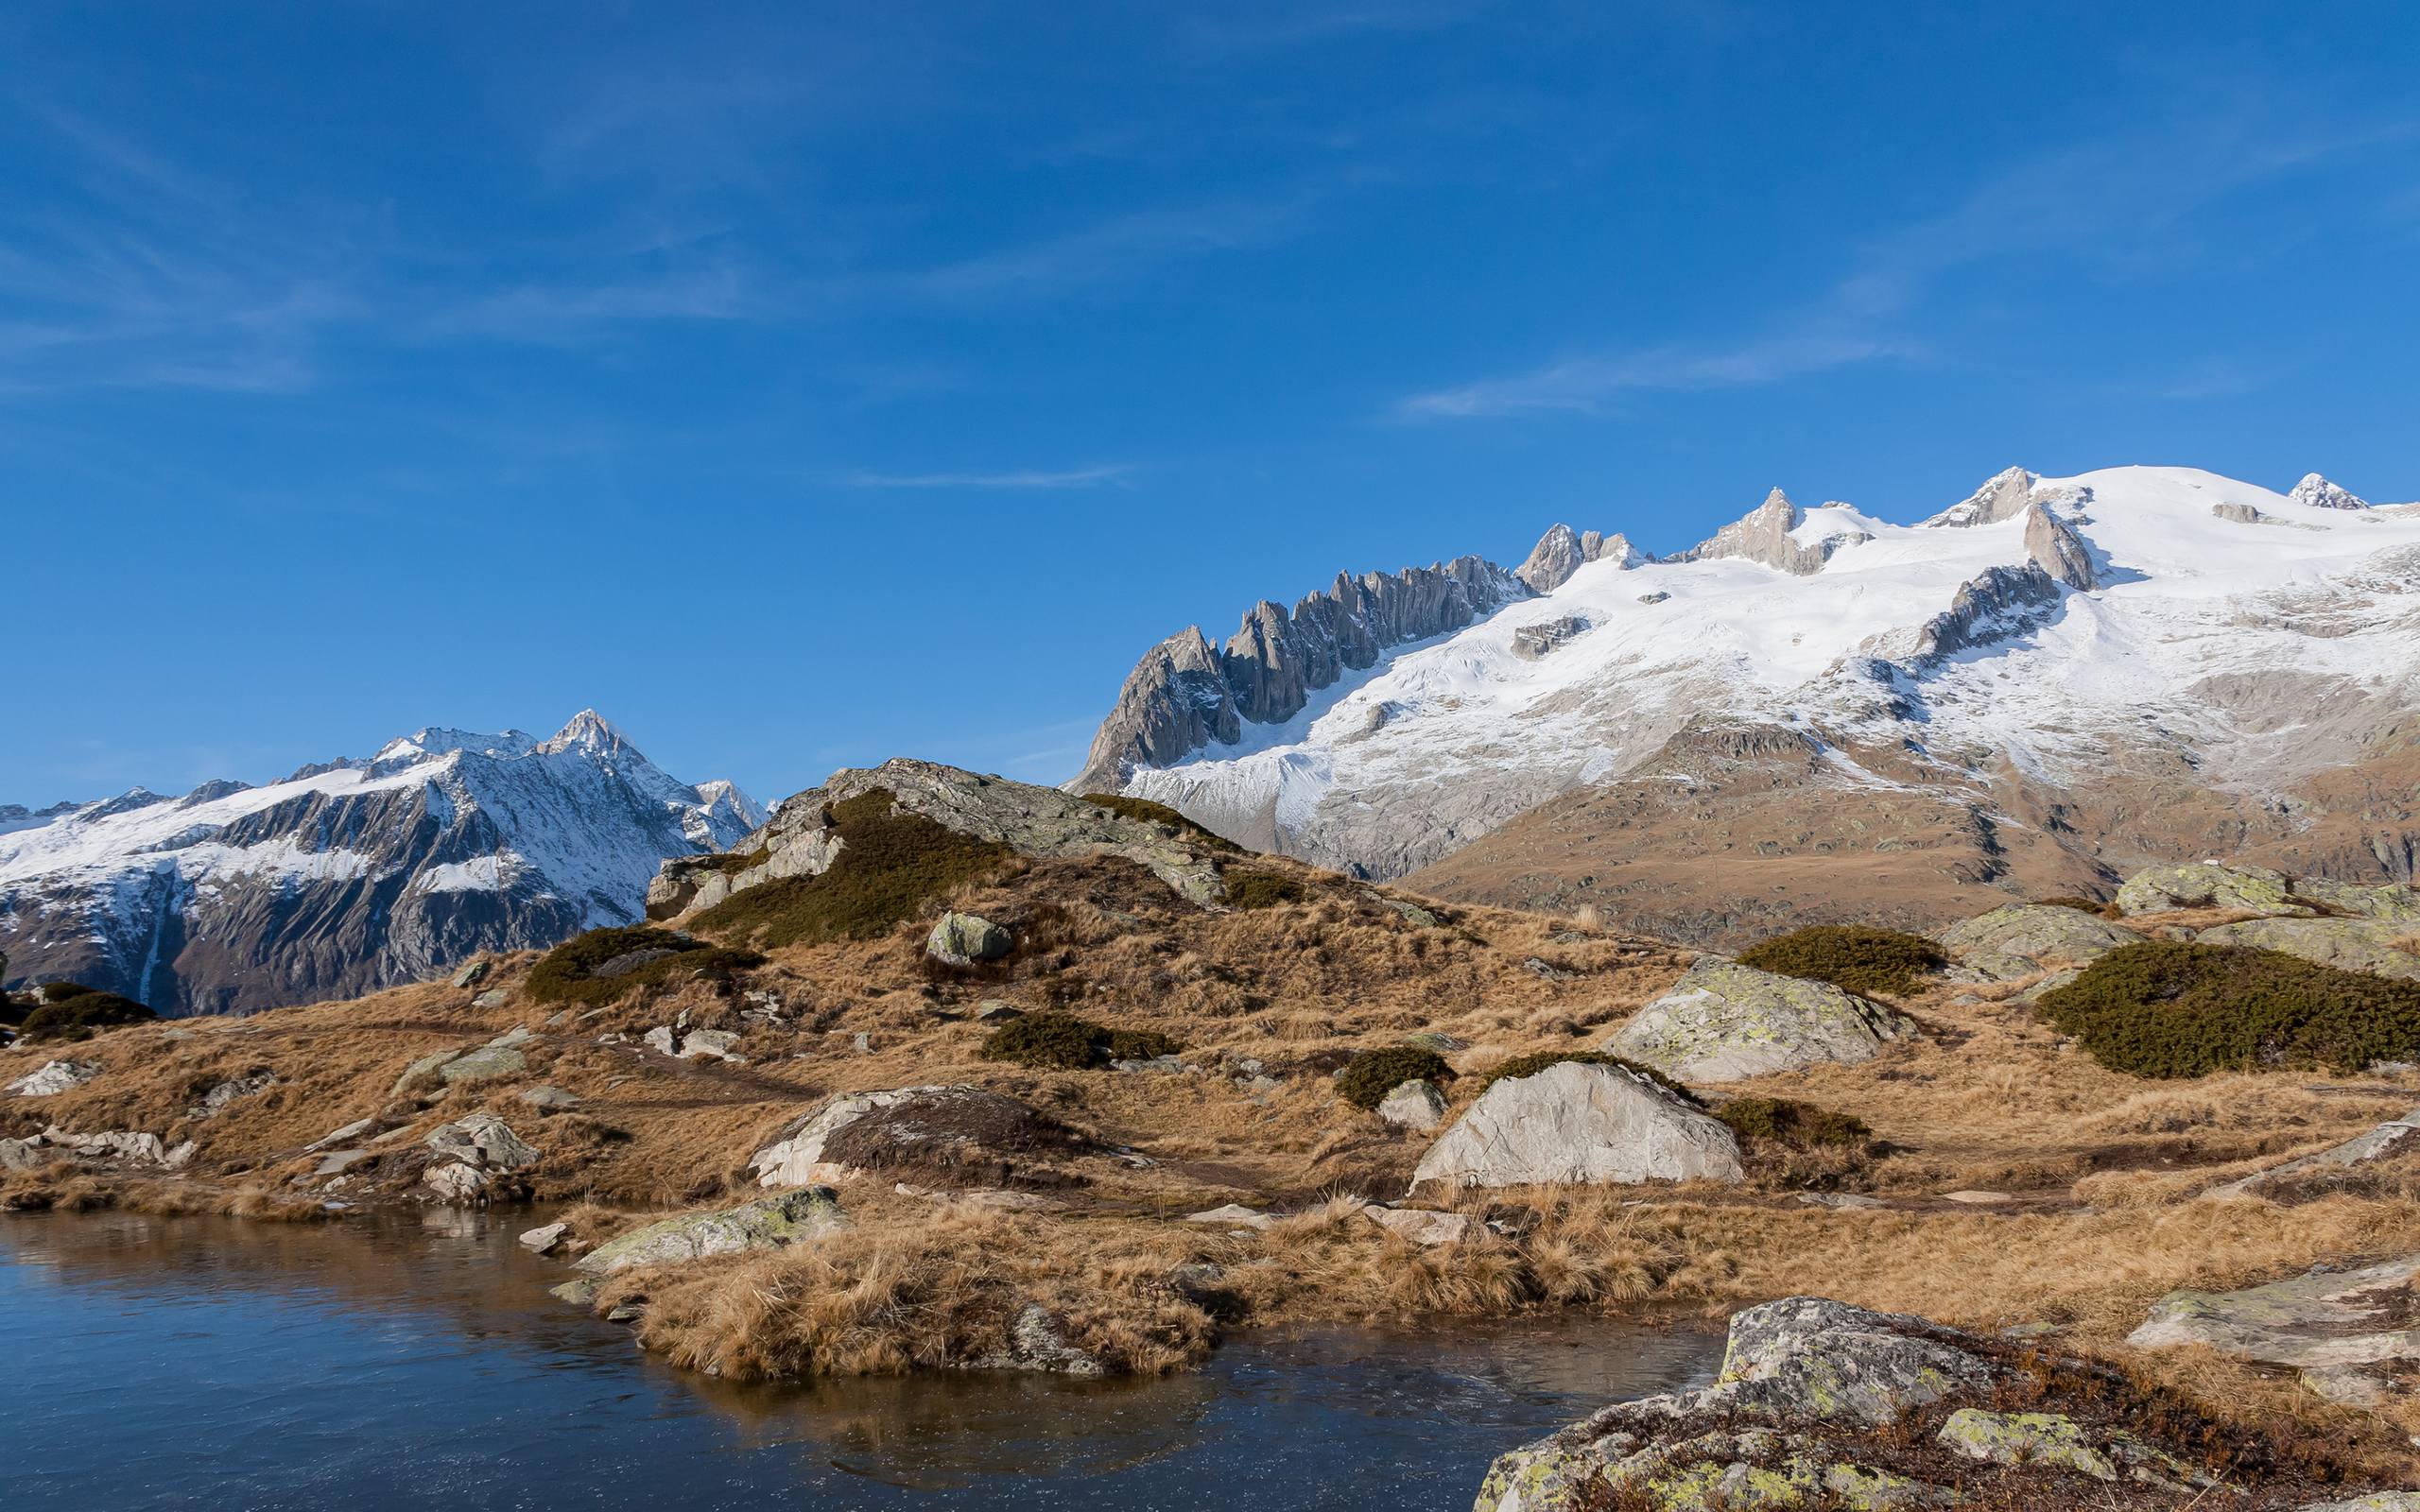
964, 939
659, 1040
484, 1141
1979, 1199
544, 1239
494, 997
486, 1063
353, 1131
627, 1313
550, 1099
1420, 1225
336, 1162
456, 1182
1415, 1105
1841, 1200
991, 1011
713, 1042
580, 1291
472, 974
1235, 1214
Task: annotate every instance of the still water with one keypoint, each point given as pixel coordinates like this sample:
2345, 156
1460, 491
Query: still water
401, 1361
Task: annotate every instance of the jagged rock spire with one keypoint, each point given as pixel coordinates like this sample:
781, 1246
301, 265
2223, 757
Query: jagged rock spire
2003, 497
1763, 535
1561, 552
2319, 493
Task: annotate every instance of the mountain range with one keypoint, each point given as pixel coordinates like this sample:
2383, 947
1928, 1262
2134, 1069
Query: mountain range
349, 875
1817, 713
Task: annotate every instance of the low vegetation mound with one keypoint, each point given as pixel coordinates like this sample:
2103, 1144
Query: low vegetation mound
1799, 1126
70, 1011
2173, 1009
1151, 813
891, 864
1850, 956
1062, 1042
2081, 906
1261, 890
1369, 1077
604, 964
1530, 1065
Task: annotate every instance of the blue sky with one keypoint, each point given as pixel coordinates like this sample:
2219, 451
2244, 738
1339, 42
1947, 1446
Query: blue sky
805, 385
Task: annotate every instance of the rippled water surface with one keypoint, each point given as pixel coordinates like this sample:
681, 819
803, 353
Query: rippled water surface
394, 1362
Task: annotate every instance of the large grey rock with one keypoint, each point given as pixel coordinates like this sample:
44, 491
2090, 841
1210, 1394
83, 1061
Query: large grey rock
1725, 1022
486, 1063
767, 1223
2023, 938
964, 940
2209, 885
127, 1145
2349, 1331
1579, 1122
801, 841
22, 1155
1415, 1105
53, 1077
483, 1140
948, 1127
2370, 945
2394, 903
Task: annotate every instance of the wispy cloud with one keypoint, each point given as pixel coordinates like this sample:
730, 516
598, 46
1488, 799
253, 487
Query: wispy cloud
2121, 207
1080, 477
1113, 248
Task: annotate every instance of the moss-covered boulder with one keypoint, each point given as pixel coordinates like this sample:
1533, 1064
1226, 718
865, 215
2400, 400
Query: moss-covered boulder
964, 939
1725, 1022
2372, 945
790, 1218
2023, 938
2210, 885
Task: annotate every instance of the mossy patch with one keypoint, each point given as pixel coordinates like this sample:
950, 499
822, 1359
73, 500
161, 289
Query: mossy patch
1062, 1042
1530, 1065
1370, 1076
71, 1011
1151, 813
891, 864
1850, 956
568, 974
2173, 1008
1261, 890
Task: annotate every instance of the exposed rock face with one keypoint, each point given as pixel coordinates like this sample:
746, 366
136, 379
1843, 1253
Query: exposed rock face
2342, 1164
1764, 535
352, 875
2057, 549
1579, 1122
1561, 552
2001, 602
2007, 495
2023, 938
1725, 1022
1184, 695
2393, 902
53, 1077
126, 1146
2209, 885
2348, 1332
1531, 642
964, 940
483, 1140
2348, 944
2318, 494
767, 1223
954, 1136
803, 840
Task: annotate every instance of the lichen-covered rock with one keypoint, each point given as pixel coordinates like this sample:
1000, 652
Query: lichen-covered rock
1415, 1105
1039, 1342
2023, 938
2025, 1438
2349, 1331
482, 1141
2209, 885
2374, 1501
1575, 1122
790, 1218
53, 1077
2337, 1165
2369, 945
474, 974
2392, 903
1725, 1022
486, 1063
964, 939
961, 1134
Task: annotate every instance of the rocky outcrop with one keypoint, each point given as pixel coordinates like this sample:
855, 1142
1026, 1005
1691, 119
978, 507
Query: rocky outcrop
1185, 695
2348, 1332
1531, 642
120, 1147
804, 838
1725, 1022
2009, 494
1038, 1342
1993, 606
2336, 1167
1563, 550
943, 1134
793, 1217
2318, 494
1766, 534
52, 1077
352, 875
1578, 1122
2023, 938
467, 1159
2209, 885
2371, 945
2393, 902
2055, 548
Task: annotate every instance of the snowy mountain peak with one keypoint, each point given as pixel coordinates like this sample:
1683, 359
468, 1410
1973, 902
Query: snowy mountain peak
438, 740
1563, 550
2319, 493
587, 730
2004, 497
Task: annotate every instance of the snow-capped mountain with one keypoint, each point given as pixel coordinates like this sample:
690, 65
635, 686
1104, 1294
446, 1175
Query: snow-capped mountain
349, 875
2002, 669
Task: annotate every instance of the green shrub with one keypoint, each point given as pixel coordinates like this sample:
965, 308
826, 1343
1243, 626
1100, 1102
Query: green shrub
2171, 1008
1151, 813
1370, 1076
891, 864
1061, 1041
1261, 890
1850, 956
2081, 906
1530, 1065
71, 1010
1799, 1126
567, 973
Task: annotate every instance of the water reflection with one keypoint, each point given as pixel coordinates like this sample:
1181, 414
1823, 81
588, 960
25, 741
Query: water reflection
409, 1360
